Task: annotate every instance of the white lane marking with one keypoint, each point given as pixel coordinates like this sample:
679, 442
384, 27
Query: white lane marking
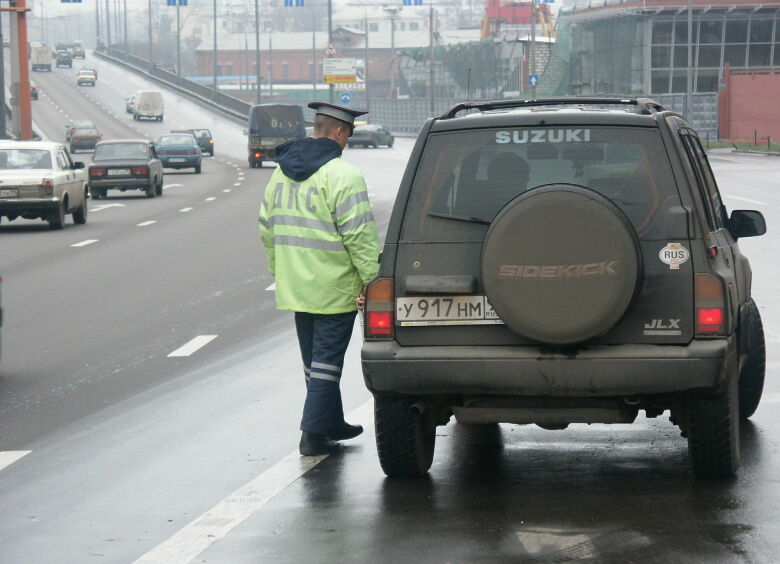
85, 243
210, 199
271, 287
145, 223
226, 190
748, 200
214, 524
102, 207
185, 210
237, 184
171, 186
8, 457
194, 345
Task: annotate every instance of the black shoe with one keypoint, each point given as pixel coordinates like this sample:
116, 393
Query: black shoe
346, 431
313, 444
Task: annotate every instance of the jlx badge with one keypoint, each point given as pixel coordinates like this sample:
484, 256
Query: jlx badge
674, 254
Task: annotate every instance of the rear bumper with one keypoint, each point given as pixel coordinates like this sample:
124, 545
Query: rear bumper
189, 162
598, 371
19, 206
119, 183
266, 154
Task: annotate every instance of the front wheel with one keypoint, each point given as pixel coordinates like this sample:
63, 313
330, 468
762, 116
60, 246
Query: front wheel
713, 432
752, 362
405, 439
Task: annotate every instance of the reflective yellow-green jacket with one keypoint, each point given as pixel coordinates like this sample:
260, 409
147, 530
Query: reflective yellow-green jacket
319, 232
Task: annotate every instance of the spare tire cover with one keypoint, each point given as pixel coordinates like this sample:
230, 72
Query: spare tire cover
561, 264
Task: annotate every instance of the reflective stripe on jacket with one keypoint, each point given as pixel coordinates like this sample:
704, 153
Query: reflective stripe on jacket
320, 238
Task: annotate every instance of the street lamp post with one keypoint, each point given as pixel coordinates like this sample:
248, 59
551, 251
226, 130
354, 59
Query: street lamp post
258, 95
178, 39
127, 45
151, 64
393, 14
216, 84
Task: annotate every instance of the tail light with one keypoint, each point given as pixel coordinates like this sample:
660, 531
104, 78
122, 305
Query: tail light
48, 187
97, 140
380, 319
194, 152
97, 172
710, 306
75, 139
139, 170
258, 155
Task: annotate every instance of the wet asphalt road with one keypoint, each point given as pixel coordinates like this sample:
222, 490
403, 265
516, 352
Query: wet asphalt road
129, 448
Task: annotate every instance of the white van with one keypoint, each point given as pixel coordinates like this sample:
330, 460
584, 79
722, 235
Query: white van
148, 105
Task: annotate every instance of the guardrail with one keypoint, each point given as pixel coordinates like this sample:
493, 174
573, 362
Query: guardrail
232, 107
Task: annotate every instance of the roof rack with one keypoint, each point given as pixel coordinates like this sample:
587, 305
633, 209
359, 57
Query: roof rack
647, 105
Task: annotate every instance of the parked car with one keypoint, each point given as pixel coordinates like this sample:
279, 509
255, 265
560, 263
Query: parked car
84, 139
179, 150
203, 137
72, 126
130, 104
64, 59
371, 135
125, 164
40, 181
148, 105
86, 78
562, 261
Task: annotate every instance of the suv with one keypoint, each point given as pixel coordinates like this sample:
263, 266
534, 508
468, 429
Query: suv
562, 261
64, 59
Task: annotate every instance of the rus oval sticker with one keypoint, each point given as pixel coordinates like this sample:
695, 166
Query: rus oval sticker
674, 254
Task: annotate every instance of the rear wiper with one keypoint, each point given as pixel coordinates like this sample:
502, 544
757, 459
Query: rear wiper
461, 218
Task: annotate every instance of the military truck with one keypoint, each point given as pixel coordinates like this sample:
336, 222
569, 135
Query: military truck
271, 125
41, 58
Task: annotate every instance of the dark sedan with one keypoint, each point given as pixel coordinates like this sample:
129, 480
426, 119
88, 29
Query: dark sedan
125, 164
84, 139
371, 135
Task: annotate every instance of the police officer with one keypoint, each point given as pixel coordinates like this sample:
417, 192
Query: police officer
322, 247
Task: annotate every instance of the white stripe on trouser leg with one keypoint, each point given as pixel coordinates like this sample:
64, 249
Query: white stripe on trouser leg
323, 376
307, 372
331, 367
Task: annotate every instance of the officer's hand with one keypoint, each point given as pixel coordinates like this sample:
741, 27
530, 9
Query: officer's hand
360, 302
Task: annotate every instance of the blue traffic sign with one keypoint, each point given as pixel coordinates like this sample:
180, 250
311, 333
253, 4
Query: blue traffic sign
345, 98
413, 2
533, 80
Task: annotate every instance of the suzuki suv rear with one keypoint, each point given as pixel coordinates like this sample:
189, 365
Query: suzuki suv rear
562, 261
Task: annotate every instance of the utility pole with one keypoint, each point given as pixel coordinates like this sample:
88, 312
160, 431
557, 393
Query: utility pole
532, 55
393, 14
330, 45
20, 71
178, 40
108, 24
127, 45
365, 67
151, 63
258, 96
688, 74
431, 95
216, 83
3, 126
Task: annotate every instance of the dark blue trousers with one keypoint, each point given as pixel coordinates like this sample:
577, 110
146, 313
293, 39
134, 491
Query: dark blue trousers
323, 340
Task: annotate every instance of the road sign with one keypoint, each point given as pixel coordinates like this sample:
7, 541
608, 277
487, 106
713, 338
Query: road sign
345, 98
335, 71
533, 80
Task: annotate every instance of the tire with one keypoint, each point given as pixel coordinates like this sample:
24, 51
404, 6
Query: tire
104, 193
151, 191
752, 362
405, 440
390, 143
72, 149
80, 213
159, 189
713, 432
57, 218
197, 169
94, 193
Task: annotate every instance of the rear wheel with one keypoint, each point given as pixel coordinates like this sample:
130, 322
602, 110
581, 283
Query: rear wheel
405, 439
752, 362
390, 143
57, 217
197, 169
80, 214
159, 189
713, 432
151, 191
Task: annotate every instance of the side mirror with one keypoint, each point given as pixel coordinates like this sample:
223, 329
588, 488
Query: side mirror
77, 165
747, 223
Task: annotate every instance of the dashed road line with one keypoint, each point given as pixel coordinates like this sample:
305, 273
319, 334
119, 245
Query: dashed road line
748, 200
237, 184
145, 223
210, 199
85, 243
226, 190
185, 210
171, 186
8, 457
193, 346
271, 288
102, 207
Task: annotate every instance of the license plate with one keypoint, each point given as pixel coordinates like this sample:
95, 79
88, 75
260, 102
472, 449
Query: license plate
8, 193
177, 160
118, 171
445, 310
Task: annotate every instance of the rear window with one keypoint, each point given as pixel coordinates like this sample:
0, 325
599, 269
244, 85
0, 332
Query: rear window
176, 140
466, 177
120, 151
